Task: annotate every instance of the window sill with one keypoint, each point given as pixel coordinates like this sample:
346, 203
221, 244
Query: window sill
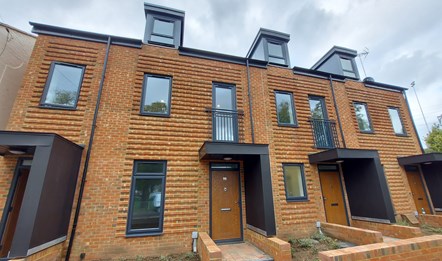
298, 200
367, 132
54, 107
162, 44
288, 125
145, 234
155, 115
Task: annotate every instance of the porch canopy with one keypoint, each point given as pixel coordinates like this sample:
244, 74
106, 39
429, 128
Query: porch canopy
365, 182
47, 202
260, 215
430, 164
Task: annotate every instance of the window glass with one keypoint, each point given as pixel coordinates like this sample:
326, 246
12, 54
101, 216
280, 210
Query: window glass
275, 50
396, 121
161, 39
156, 95
362, 117
284, 108
224, 98
147, 199
350, 74
163, 27
276, 60
294, 181
63, 85
346, 65
316, 108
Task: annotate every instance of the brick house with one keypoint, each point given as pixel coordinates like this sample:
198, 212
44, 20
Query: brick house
118, 147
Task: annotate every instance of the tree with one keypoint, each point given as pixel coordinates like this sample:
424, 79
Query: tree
284, 112
434, 139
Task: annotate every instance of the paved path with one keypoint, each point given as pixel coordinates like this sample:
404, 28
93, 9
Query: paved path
243, 252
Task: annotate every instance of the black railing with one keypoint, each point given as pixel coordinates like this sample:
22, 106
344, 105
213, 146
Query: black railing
227, 125
324, 133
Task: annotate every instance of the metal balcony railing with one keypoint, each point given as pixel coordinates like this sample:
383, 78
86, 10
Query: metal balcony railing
324, 133
227, 125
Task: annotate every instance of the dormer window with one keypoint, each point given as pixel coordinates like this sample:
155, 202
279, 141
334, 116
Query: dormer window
270, 46
347, 68
164, 26
276, 54
162, 31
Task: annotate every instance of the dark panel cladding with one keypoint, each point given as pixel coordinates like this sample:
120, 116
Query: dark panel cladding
53, 215
254, 196
366, 194
433, 178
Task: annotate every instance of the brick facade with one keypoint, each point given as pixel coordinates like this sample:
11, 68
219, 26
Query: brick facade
123, 135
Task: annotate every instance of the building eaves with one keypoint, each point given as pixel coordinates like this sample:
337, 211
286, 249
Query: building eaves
18, 30
369, 83
220, 57
331, 52
83, 35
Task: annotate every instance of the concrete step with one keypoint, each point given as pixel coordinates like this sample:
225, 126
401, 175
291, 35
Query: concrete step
243, 251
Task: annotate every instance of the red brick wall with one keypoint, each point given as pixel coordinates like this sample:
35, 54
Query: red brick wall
354, 235
390, 230
420, 248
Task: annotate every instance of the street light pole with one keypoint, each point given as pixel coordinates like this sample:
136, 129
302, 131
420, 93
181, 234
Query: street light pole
418, 102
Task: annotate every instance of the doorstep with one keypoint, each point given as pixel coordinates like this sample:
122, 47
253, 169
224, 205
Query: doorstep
243, 252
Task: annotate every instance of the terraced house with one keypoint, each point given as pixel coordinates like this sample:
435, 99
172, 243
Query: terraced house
122, 147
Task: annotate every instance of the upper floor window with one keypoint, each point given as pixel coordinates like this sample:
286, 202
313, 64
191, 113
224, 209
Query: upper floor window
276, 53
347, 67
396, 121
362, 117
146, 207
63, 85
294, 181
163, 32
156, 95
285, 108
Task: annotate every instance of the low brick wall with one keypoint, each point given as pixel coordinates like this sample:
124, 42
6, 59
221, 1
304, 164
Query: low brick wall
432, 220
52, 253
418, 248
207, 249
278, 249
354, 235
390, 230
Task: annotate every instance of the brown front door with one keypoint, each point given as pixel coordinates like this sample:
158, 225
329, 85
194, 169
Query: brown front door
332, 197
418, 191
226, 206
13, 211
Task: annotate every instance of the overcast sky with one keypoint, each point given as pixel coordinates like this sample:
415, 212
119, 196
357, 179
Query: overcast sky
404, 37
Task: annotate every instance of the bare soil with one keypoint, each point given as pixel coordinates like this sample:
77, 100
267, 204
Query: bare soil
307, 249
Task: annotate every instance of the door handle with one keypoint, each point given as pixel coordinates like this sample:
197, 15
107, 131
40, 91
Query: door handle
225, 209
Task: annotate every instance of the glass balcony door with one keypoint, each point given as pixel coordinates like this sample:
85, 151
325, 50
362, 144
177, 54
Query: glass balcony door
319, 120
224, 114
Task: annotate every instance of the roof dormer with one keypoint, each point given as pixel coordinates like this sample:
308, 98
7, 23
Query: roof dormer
164, 26
340, 61
270, 46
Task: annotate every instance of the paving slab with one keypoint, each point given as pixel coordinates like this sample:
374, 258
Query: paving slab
243, 252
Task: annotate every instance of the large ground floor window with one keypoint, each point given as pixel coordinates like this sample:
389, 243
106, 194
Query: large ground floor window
146, 207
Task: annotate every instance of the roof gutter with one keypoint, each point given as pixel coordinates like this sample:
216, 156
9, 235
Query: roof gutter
249, 94
89, 149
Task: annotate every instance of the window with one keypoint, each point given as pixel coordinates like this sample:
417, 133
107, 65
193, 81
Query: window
146, 207
294, 182
362, 117
347, 68
63, 85
224, 114
396, 121
163, 31
285, 108
276, 54
156, 95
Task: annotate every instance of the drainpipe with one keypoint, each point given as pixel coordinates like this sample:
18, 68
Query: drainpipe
412, 121
250, 101
89, 149
337, 111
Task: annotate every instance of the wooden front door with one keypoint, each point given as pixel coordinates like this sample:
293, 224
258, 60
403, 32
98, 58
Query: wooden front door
13, 210
226, 206
418, 191
332, 197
